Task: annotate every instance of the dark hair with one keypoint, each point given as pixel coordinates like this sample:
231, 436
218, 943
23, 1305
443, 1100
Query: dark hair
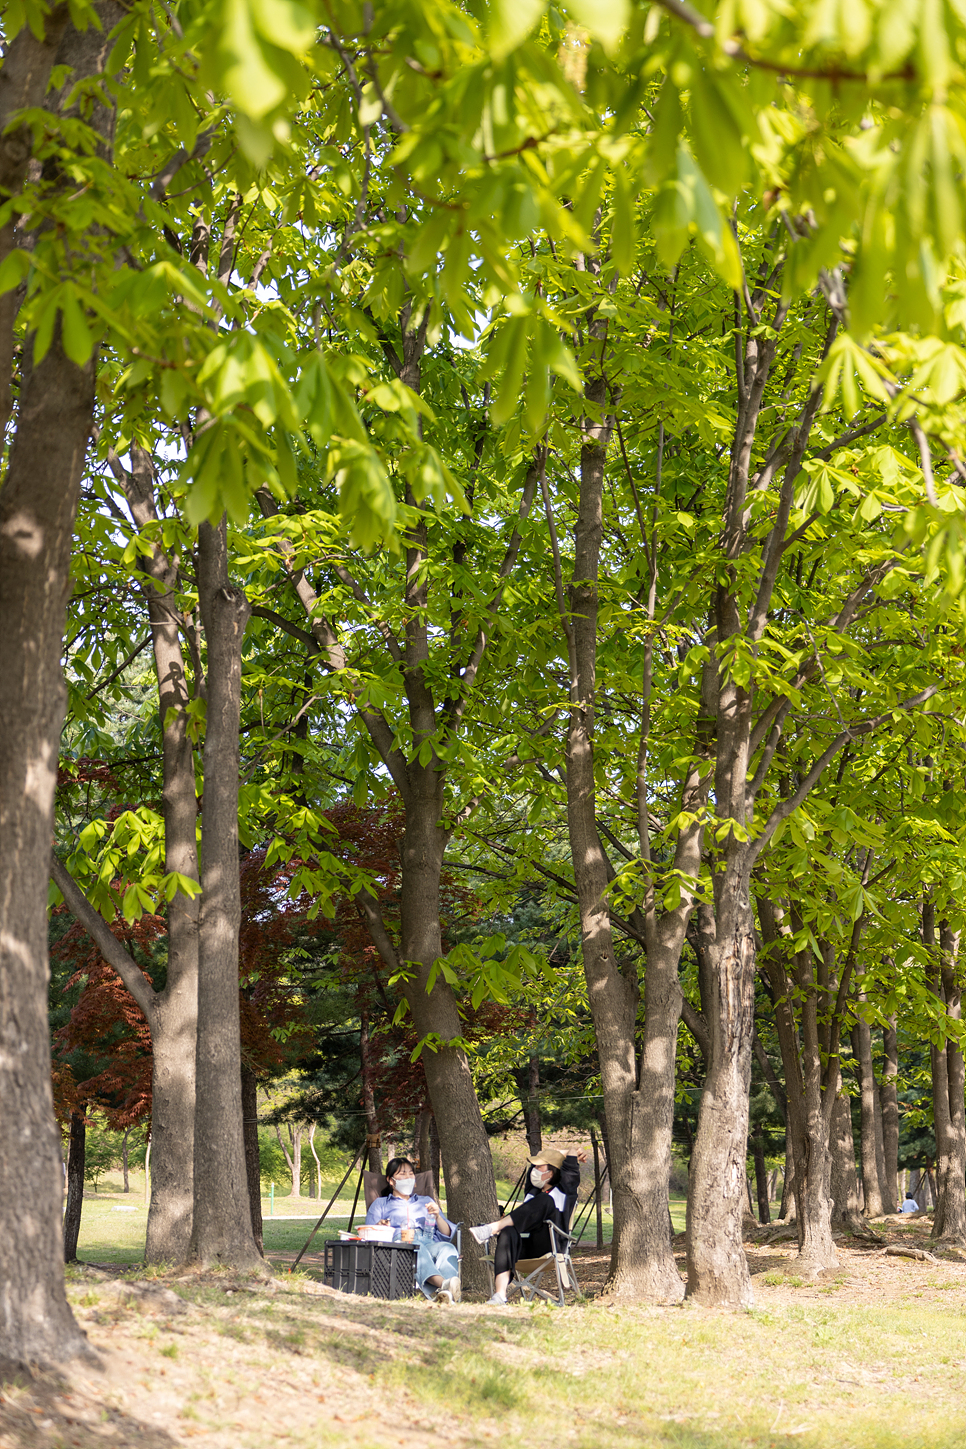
395, 1163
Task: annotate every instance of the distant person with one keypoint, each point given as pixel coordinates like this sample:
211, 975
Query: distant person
419, 1220
550, 1197
909, 1205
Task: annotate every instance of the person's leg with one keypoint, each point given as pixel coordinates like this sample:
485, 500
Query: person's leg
508, 1246
426, 1275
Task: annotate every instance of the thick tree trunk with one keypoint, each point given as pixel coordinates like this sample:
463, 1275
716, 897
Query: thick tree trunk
873, 1166
717, 1268
222, 1225
253, 1170
845, 1182
464, 1146
38, 505
174, 1020
889, 1109
638, 1095
76, 1153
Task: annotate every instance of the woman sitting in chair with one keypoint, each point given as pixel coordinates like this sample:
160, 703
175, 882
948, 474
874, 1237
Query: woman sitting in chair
420, 1220
550, 1196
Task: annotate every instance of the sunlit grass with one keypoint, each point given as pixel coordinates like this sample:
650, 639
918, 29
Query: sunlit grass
820, 1375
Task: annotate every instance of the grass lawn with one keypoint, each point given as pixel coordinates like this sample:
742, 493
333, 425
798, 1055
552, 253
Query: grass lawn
875, 1359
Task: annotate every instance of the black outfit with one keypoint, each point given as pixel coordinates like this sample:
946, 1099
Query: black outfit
532, 1216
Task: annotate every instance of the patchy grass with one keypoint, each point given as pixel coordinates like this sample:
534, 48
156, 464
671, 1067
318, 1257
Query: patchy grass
233, 1363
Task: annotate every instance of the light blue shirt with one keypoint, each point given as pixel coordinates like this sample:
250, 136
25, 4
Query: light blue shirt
407, 1212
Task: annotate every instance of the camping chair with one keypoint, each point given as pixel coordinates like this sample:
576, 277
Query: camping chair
376, 1184
528, 1273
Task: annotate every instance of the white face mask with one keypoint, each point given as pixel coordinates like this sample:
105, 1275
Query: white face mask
405, 1185
537, 1177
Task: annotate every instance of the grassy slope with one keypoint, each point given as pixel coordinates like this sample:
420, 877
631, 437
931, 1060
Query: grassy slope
239, 1367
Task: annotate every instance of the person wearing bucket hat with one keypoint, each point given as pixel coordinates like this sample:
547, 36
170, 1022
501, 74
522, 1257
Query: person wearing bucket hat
553, 1181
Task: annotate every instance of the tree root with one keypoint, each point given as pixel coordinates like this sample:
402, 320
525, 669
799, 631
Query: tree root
919, 1254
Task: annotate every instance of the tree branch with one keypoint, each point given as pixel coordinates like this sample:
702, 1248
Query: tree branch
104, 939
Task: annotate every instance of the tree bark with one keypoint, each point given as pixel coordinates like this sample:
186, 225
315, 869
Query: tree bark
38, 506
598, 1189
638, 1092
889, 1112
761, 1176
222, 1224
422, 1139
949, 1110
253, 1170
845, 1182
373, 1135
528, 1083
717, 1269
174, 1018
75, 1184
873, 1167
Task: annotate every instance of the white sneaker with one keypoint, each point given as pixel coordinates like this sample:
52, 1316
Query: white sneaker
449, 1291
483, 1233
498, 1300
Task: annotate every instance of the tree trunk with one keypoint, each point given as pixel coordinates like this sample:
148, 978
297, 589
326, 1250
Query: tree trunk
845, 1183
871, 1137
761, 1176
949, 1109
295, 1136
529, 1085
75, 1184
422, 1139
253, 1170
717, 1268
434, 1157
174, 1018
127, 1133
317, 1186
373, 1135
788, 1211
222, 1226
638, 1094
38, 506
598, 1189
464, 1147
889, 1108
173, 1043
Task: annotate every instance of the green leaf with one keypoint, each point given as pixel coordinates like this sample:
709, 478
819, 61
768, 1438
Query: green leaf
511, 21
605, 19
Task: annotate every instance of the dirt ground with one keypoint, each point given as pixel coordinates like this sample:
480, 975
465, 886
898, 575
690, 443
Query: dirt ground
224, 1362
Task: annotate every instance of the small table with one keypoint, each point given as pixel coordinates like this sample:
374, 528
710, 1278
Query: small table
380, 1270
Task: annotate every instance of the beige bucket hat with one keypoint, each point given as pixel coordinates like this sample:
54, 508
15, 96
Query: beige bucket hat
549, 1157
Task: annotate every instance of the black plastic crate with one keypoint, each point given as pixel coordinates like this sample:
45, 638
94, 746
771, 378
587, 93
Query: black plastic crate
382, 1270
